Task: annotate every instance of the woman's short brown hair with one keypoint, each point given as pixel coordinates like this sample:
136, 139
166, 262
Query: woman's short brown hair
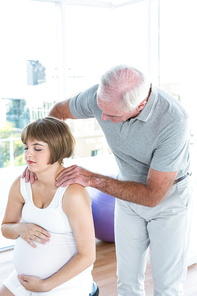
55, 133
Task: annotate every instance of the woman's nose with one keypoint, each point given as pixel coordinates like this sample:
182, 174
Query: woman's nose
28, 152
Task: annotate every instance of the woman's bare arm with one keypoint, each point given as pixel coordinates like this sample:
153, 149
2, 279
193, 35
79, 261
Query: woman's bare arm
12, 227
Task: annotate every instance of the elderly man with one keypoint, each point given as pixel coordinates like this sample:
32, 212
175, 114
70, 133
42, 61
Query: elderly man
148, 132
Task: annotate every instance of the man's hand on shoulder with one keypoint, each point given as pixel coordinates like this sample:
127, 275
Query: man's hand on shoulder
74, 174
29, 176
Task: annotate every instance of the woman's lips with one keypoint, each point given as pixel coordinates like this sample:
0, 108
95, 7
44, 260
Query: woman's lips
30, 162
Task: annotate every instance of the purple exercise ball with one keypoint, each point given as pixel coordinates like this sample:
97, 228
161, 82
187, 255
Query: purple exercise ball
103, 206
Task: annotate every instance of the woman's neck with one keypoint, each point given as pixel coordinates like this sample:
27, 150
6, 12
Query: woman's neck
48, 176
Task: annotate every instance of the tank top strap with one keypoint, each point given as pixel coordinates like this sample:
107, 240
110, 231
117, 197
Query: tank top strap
57, 199
25, 189
60, 193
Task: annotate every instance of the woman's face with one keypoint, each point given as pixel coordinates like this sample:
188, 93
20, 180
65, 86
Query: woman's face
37, 155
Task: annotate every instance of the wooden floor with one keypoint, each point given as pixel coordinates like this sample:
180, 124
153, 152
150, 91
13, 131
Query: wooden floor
104, 272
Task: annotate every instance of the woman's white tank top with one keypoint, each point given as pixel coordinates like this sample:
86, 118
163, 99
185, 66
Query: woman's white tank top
52, 218
45, 260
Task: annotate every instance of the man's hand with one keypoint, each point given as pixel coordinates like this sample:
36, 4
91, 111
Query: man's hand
74, 174
29, 176
30, 231
32, 283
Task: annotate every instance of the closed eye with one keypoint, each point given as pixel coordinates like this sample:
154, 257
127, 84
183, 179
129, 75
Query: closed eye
34, 149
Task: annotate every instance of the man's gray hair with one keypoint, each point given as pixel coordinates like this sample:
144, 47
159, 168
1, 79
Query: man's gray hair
125, 86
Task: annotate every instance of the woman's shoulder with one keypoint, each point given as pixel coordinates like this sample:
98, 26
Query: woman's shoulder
77, 191
15, 189
16, 184
76, 188
76, 194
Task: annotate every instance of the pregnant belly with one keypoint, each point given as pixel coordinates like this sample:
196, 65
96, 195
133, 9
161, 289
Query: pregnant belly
44, 260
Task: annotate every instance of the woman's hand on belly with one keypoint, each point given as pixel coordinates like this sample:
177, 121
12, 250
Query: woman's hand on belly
30, 231
33, 283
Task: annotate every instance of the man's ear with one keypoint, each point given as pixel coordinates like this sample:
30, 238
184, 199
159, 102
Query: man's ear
142, 105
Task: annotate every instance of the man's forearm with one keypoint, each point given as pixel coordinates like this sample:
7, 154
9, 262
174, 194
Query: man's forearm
125, 190
149, 194
61, 111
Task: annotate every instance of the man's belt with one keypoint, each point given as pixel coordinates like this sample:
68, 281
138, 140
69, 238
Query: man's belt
182, 178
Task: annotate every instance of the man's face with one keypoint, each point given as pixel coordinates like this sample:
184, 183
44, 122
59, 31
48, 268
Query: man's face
113, 113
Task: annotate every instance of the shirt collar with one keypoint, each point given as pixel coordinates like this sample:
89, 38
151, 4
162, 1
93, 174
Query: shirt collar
149, 108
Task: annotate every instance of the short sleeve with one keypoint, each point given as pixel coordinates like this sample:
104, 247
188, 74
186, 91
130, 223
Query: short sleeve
171, 153
82, 106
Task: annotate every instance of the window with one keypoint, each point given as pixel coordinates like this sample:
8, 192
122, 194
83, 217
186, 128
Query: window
28, 78
178, 59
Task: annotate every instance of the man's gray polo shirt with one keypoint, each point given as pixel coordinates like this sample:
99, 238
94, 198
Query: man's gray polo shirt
158, 137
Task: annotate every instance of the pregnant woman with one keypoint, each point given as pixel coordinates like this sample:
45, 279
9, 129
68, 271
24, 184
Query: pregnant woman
53, 227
